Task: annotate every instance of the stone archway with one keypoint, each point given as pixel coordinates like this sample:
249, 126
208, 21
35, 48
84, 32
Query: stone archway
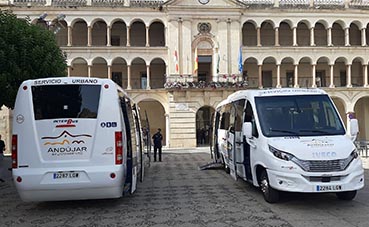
362, 112
203, 125
155, 113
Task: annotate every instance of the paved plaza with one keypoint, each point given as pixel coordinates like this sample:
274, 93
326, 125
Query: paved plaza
176, 193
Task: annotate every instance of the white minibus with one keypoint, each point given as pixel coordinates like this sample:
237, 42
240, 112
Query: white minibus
287, 139
75, 138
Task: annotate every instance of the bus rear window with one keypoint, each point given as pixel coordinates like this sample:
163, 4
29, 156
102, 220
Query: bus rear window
65, 101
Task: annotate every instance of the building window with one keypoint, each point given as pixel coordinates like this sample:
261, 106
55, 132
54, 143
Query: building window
143, 80
290, 79
343, 81
267, 79
320, 79
115, 40
117, 77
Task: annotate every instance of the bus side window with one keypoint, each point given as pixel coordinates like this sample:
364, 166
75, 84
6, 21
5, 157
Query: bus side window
240, 104
249, 117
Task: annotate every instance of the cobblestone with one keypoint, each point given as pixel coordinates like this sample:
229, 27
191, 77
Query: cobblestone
176, 193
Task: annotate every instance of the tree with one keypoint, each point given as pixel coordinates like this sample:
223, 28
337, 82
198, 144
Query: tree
27, 51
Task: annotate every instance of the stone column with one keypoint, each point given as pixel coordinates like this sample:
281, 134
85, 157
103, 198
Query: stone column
128, 36
331, 68
89, 36
313, 74
312, 37
258, 39
69, 36
260, 74
347, 36
69, 70
276, 36
167, 130
147, 36
365, 74
329, 37
89, 70
279, 76
296, 76
108, 36
109, 71
294, 29
129, 87
363, 37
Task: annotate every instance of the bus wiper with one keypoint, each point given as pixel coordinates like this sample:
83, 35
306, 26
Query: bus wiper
317, 131
285, 131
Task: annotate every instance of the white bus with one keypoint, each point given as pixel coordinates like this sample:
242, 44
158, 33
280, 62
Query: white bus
287, 140
75, 138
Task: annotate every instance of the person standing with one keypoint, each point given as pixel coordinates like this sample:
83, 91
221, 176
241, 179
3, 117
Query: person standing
2, 149
157, 139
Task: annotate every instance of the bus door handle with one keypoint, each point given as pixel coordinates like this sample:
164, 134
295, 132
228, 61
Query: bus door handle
239, 142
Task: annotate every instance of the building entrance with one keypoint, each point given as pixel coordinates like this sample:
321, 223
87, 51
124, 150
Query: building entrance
204, 72
203, 125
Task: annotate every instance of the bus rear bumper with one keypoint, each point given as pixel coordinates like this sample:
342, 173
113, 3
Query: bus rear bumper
70, 194
37, 185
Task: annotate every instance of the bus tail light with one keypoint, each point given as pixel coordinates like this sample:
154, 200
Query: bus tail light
15, 151
118, 148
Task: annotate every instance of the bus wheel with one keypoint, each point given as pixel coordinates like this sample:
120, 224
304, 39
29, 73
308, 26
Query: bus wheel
270, 194
350, 195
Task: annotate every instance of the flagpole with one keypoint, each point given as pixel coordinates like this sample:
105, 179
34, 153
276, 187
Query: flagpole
196, 64
240, 62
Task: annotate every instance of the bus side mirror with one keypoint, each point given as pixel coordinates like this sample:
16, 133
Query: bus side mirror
354, 128
247, 129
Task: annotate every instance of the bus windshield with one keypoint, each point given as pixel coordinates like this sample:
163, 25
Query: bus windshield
300, 115
65, 101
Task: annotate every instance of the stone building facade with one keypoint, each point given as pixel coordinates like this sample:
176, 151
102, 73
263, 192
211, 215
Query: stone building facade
179, 58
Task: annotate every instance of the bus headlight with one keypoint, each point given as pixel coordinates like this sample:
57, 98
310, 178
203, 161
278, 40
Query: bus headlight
280, 154
289, 157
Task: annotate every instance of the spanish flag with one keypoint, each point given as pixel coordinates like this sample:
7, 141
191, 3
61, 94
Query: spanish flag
176, 61
196, 65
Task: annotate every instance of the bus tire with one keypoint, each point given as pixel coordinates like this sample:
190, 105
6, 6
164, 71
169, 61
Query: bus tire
270, 194
349, 195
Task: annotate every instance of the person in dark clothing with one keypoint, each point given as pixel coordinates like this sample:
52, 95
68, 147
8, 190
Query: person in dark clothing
2, 149
157, 139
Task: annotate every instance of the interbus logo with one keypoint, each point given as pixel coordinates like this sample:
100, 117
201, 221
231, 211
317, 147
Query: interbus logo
68, 123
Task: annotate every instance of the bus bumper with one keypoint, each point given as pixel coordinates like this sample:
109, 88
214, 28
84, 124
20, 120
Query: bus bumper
349, 180
36, 185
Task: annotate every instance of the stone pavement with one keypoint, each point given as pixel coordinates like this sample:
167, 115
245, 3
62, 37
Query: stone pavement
176, 193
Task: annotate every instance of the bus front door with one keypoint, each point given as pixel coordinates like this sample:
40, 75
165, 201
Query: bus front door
231, 145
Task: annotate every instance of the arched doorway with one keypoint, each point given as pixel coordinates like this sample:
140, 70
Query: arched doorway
203, 125
362, 112
155, 113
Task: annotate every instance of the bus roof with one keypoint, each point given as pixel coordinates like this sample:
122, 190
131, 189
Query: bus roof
70, 80
271, 92
65, 80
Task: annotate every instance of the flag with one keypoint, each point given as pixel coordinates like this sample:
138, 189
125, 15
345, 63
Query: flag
240, 62
176, 61
196, 64
218, 62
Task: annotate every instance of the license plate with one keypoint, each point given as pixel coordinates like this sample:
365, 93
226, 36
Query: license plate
63, 175
327, 188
